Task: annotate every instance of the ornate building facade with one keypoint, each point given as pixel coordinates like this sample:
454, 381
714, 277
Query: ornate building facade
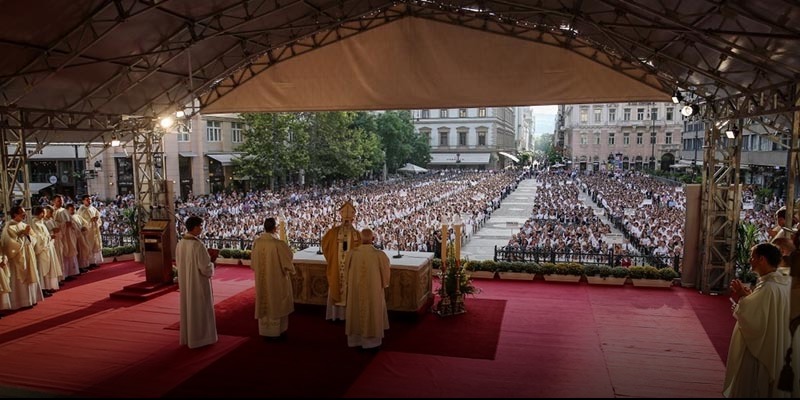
621, 135
478, 138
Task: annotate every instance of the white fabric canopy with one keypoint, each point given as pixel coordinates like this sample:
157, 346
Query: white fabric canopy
411, 63
510, 156
412, 168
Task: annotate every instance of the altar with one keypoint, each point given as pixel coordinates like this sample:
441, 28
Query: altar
409, 282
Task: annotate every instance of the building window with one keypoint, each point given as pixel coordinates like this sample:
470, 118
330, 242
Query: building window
584, 115
426, 133
653, 137
653, 114
597, 138
626, 138
584, 139
184, 130
426, 113
611, 138
482, 112
213, 131
443, 113
670, 113
462, 138
462, 113
598, 115
668, 139
640, 114
639, 138
612, 114
236, 132
626, 114
482, 138
443, 136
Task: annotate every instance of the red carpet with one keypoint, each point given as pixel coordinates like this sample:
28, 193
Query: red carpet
103, 272
473, 334
235, 315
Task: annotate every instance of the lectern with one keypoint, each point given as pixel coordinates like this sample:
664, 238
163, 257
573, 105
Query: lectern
157, 251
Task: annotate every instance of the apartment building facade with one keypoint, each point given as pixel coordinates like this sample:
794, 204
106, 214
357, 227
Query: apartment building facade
475, 138
620, 135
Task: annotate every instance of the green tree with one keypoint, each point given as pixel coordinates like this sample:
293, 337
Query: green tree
399, 140
276, 148
339, 147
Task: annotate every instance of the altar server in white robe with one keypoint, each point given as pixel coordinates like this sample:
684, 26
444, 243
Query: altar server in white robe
17, 243
195, 270
91, 220
761, 335
46, 258
367, 277
67, 236
271, 259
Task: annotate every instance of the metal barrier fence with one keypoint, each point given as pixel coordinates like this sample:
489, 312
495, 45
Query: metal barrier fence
111, 240
610, 259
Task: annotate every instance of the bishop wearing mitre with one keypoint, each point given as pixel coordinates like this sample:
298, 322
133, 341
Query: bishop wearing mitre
336, 244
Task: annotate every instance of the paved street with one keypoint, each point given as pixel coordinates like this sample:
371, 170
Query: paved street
507, 220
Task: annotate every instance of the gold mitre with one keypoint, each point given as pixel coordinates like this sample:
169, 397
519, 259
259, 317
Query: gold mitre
347, 211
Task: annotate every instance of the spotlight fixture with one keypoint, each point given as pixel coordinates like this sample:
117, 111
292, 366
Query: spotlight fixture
689, 110
677, 97
732, 132
115, 141
166, 122
180, 114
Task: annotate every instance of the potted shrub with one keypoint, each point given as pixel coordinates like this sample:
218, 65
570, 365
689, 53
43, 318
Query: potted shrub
481, 269
603, 275
131, 216
565, 272
648, 276
228, 256
519, 270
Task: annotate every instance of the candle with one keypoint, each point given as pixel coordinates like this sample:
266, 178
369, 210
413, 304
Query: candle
457, 225
445, 223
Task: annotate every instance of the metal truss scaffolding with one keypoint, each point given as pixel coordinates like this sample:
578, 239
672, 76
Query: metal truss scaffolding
148, 170
720, 208
14, 178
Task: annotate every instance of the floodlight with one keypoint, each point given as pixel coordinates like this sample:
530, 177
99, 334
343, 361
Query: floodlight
677, 97
731, 133
180, 114
689, 110
166, 122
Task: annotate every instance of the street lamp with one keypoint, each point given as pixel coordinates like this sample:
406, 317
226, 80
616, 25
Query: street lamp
653, 141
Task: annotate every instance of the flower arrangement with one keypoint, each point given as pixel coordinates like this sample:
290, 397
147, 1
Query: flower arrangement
455, 268
455, 284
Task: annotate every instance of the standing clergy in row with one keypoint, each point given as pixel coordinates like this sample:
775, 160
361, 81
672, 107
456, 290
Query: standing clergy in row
195, 269
367, 277
271, 259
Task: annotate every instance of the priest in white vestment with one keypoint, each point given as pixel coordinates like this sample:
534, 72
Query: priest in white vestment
17, 242
67, 237
5, 282
761, 335
91, 220
46, 258
271, 260
367, 277
195, 270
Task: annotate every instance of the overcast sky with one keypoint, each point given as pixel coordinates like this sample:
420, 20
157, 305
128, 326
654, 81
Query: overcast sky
545, 117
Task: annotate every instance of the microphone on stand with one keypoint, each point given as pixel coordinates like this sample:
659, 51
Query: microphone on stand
398, 255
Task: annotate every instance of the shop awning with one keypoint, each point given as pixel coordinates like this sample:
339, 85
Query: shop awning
226, 159
460, 158
187, 154
509, 156
35, 188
